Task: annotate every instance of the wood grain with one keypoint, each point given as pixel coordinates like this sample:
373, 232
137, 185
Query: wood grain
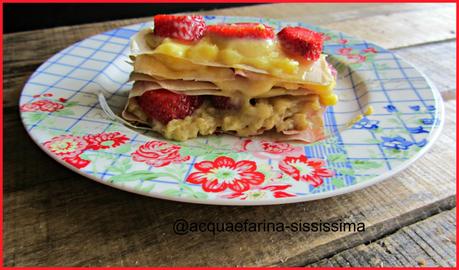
323, 13
430, 242
54, 217
399, 30
436, 61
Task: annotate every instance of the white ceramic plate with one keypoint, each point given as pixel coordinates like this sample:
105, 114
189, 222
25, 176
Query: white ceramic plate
60, 111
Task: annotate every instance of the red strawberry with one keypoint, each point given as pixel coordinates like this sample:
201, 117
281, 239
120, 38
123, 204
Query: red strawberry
164, 105
222, 102
185, 28
242, 30
301, 41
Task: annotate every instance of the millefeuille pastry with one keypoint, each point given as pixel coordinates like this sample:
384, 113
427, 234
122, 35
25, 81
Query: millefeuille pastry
194, 79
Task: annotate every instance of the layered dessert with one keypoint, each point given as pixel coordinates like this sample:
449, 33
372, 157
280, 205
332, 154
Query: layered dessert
192, 79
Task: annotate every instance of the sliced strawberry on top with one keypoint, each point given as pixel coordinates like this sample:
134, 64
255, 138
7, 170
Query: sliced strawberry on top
301, 42
164, 105
242, 30
185, 28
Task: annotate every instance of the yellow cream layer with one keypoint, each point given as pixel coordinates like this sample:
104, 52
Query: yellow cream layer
278, 113
248, 87
258, 55
261, 54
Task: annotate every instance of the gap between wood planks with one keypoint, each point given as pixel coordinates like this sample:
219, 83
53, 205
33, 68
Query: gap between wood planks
447, 206
428, 242
402, 221
423, 44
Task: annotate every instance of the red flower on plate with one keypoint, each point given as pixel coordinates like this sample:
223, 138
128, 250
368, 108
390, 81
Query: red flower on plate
41, 105
325, 37
105, 140
224, 173
29, 107
276, 147
69, 147
268, 149
345, 51
305, 169
66, 146
370, 50
48, 105
158, 154
342, 41
276, 191
357, 58
77, 162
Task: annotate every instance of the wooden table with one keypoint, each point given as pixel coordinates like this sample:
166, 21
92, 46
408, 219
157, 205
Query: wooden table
54, 217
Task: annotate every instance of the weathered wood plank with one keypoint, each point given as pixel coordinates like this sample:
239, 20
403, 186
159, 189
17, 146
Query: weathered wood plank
64, 219
322, 13
399, 30
430, 242
437, 61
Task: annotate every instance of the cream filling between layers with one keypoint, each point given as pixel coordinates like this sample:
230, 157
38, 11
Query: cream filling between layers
248, 84
263, 55
257, 55
284, 113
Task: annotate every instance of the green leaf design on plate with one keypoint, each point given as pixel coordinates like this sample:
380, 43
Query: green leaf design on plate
86, 155
268, 171
194, 151
185, 191
206, 152
365, 164
147, 188
337, 158
33, 117
172, 192
378, 130
63, 112
144, 186
97, 155
338, 182
71, 103
122, 149
141, 175
200, 195
346, 171
121, 167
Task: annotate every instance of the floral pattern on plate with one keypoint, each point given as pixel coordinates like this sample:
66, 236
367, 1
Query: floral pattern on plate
61, 112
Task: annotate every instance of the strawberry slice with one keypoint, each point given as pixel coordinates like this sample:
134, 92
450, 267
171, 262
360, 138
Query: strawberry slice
299, 41
184, 28
242, 30
222, 102
164, 105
